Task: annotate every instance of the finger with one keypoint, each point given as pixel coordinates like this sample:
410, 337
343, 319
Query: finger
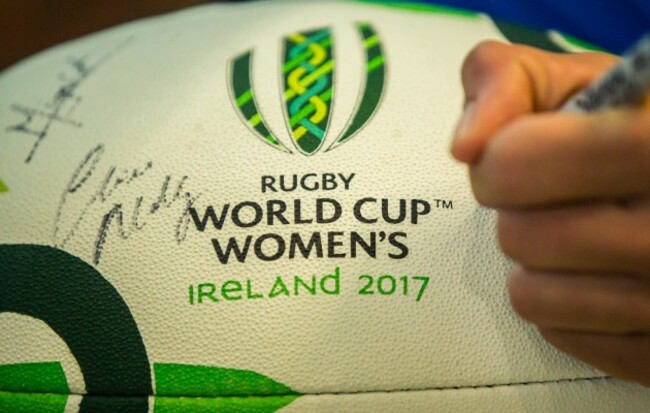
502, 82
583, 237
551, 158
627, 358
580, 302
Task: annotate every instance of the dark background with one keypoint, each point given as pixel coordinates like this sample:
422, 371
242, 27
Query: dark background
27, 26
611, 24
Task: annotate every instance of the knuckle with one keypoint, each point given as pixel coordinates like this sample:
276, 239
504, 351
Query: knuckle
639, 257
631, 128
552, 336
483, 54
502, 177
482, 192
634, 143
492, 185
638, 305
509, 235
484, 59
633, 242
522, 295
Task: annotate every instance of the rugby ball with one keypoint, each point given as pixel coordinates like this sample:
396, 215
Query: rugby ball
252, 208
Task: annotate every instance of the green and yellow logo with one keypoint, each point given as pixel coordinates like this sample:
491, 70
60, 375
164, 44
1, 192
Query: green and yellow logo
307, 85
101, 332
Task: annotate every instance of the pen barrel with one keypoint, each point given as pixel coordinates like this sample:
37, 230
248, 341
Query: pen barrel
625, 85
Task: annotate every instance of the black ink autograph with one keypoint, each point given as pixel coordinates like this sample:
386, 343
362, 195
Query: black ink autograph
102, 192
37, 121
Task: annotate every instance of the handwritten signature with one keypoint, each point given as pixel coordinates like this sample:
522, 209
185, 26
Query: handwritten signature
101, 190
37, 121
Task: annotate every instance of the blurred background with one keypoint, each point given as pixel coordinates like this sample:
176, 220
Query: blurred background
27, 26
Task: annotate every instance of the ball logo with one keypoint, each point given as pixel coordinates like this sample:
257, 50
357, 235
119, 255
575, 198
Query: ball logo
101, 332
307, 89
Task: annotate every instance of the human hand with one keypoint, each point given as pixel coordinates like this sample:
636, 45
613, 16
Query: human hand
572, 193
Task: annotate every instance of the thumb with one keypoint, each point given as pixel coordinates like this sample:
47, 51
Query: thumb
503, 82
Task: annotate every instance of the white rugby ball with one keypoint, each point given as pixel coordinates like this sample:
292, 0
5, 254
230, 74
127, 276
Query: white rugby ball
252, 208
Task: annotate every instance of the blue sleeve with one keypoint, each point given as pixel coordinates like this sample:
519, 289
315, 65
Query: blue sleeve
613, 25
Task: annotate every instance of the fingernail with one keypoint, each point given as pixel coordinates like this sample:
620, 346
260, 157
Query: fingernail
463, 127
